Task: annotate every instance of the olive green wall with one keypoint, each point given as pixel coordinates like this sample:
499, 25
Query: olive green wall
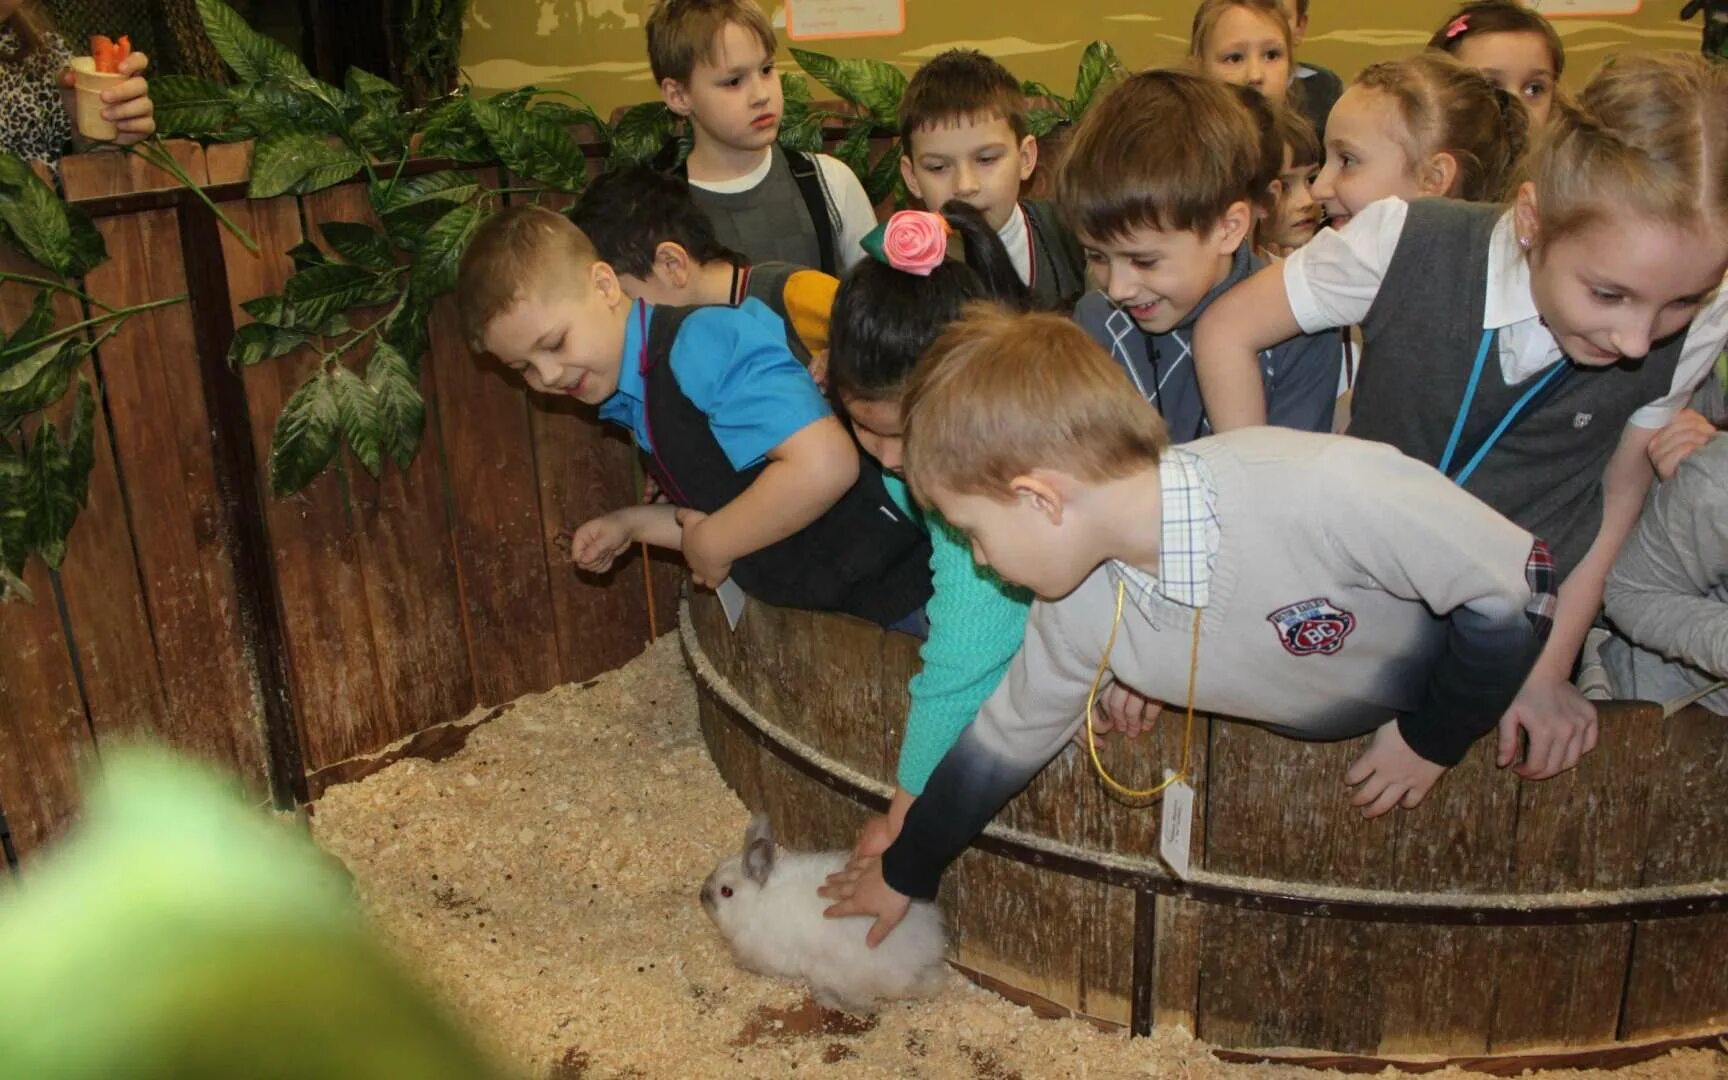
595, 47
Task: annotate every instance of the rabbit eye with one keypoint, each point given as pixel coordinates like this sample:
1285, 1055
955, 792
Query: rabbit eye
726, 890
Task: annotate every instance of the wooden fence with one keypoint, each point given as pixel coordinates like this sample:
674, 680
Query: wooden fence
283, 638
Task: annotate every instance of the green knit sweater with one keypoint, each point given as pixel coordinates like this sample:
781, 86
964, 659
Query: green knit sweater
976, 624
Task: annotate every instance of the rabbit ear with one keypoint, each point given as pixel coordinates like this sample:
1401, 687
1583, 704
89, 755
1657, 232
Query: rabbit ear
759, 849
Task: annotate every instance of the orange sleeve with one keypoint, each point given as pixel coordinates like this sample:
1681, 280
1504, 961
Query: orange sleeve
809, 297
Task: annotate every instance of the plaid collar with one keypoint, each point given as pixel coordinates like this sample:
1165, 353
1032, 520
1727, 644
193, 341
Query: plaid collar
1188, 546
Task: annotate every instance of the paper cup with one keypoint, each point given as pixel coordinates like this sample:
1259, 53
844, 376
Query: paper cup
89, 84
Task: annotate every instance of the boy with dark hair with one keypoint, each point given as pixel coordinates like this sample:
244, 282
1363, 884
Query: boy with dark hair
766, 485
714, 63
963, 127
1408, 610
648, 227
1160, 182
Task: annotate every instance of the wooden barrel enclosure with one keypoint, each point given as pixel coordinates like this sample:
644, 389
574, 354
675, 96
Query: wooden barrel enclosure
1502, 924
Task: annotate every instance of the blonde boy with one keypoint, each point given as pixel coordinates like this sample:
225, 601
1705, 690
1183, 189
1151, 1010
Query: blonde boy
1335, 588
714, 63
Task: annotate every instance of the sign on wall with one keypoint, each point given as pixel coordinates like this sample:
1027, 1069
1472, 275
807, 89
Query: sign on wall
1559, 8
809, 20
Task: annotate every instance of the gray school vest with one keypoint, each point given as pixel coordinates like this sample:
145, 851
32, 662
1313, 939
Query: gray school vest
767, 282
769, 223
1419, 339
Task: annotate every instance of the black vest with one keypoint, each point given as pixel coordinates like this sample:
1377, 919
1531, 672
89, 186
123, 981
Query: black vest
862, 557
767, 282
1419, 339
1059, 266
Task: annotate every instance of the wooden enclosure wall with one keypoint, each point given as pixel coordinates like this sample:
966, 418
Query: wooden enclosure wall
279, 638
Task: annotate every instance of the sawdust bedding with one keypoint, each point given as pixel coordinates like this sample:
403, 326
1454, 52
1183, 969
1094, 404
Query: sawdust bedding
543, 880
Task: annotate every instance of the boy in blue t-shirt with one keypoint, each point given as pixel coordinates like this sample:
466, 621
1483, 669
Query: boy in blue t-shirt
766, 485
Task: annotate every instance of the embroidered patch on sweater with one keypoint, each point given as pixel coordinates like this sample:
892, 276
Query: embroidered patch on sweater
1539, 572
1314, 627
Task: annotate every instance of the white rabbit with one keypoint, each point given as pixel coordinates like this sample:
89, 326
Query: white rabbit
764, 902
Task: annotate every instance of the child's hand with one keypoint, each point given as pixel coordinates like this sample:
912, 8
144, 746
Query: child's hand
879, 832
599, 542
651, 492
1674, 443
1559, 722
706, 567
819, 370
127, 105
1390, 774
1122, 708
860, 890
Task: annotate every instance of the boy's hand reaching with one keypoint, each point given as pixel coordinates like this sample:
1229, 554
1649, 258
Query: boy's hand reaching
1122, 708
879, 832
1390, 774
860, 890
1559, 722
1673, 444
706, 566
599, 541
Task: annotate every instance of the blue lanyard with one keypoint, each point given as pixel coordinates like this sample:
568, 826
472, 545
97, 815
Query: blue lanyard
1554, 371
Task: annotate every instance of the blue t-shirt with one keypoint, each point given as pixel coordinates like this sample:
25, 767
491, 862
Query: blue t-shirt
734, 366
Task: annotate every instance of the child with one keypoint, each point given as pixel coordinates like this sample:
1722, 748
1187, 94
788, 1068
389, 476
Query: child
1406, 609
767, 483
646, 225
1668, 592
1270, 159
964, 129
35, 90
1159, 183
1512, 45
1248, 42
1313, 89
1615, 250
887, 314
1424, 125
714, 63
1297, 214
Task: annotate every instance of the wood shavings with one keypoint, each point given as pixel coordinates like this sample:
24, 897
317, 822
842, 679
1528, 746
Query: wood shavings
543, 880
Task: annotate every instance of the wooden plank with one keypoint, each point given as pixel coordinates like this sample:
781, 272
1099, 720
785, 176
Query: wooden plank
326, 623
1679, 983
44, 734
1178, 948
500, 533
402, 535
1106, 963
161, 423
1558, 986
1017, 923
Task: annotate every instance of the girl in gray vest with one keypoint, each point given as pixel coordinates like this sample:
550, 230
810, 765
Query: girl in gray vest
1597, 298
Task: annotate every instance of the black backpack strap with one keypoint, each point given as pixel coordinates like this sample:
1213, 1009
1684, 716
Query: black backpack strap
658, 380
806, 173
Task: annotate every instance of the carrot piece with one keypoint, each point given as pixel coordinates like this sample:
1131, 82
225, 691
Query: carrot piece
124, 45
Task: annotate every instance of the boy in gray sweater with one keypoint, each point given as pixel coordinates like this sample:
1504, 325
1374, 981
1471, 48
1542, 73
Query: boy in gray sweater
1331, 587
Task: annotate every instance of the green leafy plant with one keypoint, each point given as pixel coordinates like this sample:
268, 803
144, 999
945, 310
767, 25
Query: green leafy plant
1099, 65
44, 478
873, 89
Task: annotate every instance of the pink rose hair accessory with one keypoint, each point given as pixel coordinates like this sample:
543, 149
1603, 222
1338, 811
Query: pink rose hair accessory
1457, 26
912, 241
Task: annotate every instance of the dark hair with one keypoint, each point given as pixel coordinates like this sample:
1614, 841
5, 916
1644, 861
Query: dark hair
884, 319
1271, 162
628, 213
1296, 133
957, 85
1498, 17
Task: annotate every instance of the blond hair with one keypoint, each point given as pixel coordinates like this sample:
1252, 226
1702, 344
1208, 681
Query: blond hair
1451, 109
682, 32
1167, 149
1649, 134
509, 252
1206, 18
999, 395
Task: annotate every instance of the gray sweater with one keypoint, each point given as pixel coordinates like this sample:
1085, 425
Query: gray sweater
1668, 591
1351, 585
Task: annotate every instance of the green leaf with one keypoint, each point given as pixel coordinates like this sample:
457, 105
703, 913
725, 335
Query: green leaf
569, 116
406, 335
884, 177
37, 381
305, 438
253, 56
360, 244
188, 105
14, 528
277, 106
533, 146
35, 325
300, 162
641, 133
306, 254
382, 132
1041, 122
1097, 64
256, 342
451, 132
794, 88
401, 410
38, 222
854, 149
89, 250
58, 480
276, 311
357, 415
81, 442
440, 254
317, 293
423, 198
800, 128
870, 84
367, 87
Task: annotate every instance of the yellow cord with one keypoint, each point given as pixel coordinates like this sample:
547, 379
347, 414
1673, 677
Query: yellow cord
1092, 701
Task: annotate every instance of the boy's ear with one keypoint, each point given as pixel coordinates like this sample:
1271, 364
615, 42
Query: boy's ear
673, 94
1438, 174
1028, 157
910, 175
1234, 226
604, 281
672, 264
1525, 219
1043, 490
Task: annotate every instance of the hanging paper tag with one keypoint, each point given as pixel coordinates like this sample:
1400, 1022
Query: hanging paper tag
731, 601
1176, 829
